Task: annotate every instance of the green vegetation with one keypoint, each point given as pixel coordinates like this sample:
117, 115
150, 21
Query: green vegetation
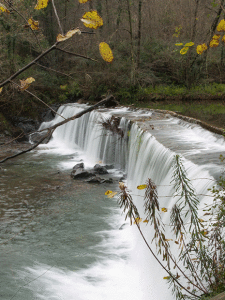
199, 240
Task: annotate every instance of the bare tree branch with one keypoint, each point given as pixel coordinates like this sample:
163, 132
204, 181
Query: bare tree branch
75, 54
51, 129
53, 70
39, 100
57, 17
28, 65
34, 33
49, 133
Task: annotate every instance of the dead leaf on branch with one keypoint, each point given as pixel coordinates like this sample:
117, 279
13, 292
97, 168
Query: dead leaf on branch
24, 84
68, 35
1, 90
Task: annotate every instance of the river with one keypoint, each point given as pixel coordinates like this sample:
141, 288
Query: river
64, 239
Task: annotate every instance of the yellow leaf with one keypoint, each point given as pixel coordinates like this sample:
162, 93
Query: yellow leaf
167, 277
4, 9
33, 24
63, 87
164, 209
221, 26
106, 52
137, 220
142, 186
184, 50
41, 4
178, 44
108, 192
201, 220
214, 43
24, 84
189, 44
223, 39
145, 221
216, 37
1, 90
168, 240
92, 19
201, 48
111, 195
83, 1
176, 242
68, 35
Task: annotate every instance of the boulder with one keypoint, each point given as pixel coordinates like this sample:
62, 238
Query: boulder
95, 179
100, 169
78, 166
108, 167
80, 173
109, 180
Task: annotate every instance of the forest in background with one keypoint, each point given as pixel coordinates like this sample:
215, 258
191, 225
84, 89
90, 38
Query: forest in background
142, 35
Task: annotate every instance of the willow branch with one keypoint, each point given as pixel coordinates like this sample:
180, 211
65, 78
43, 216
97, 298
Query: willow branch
169, 273
75, 54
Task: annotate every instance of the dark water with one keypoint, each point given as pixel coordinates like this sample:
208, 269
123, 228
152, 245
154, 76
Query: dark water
48, 219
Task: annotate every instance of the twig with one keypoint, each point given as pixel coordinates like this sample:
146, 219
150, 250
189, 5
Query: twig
57, 17
30, 282
75, 54
49, 133
28, 65
9, 142
50, 69
39, 100
11, 6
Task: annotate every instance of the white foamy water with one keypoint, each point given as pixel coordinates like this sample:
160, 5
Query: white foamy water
126, 269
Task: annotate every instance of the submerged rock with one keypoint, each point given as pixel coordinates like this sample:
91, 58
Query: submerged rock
108, 167
80, 173
95, 179
100, 169
78, 166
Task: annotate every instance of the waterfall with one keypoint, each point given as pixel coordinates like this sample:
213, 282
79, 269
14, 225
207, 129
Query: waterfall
141, 155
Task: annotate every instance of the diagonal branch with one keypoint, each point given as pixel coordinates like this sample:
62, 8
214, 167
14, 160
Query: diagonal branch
28, 65
51, 129
39, 100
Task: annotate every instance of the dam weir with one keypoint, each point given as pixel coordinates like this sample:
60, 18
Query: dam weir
145, 147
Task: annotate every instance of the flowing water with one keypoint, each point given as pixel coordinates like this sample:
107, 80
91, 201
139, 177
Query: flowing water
64, 239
